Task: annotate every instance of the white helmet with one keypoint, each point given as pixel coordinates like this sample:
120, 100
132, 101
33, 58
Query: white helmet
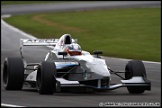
73, 49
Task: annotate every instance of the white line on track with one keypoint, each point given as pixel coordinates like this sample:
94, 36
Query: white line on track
32, 37
131, 59
10, 105
18, 30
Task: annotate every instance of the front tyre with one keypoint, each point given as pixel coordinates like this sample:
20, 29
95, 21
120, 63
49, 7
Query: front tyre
46, 82
13, 73
135, 68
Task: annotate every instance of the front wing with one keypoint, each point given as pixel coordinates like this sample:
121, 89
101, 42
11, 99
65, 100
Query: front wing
134, 81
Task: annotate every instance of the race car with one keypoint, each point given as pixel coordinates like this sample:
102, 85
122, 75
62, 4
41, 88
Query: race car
68, 66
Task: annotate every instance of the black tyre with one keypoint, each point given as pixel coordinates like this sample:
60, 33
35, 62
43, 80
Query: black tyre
135, 68
13, 73
46, 82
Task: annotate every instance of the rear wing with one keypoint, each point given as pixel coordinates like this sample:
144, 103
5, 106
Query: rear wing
36, 42
39, 42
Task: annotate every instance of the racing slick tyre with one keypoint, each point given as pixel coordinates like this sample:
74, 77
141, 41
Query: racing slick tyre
46, 82
13, 73
135, 68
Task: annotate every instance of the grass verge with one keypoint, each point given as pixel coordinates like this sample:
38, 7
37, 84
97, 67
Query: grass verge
124, 33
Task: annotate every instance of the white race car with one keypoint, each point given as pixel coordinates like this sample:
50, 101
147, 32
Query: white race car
68, 66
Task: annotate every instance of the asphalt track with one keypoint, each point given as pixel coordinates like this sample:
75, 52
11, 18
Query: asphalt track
31, 98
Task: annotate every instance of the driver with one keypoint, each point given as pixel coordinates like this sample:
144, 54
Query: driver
73, 49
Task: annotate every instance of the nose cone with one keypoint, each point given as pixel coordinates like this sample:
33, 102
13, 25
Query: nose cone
95, 65
99, 67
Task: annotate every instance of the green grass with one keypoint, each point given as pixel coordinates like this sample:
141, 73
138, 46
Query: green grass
27, 2
124, 33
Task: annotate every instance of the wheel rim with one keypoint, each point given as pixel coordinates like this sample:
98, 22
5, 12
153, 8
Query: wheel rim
5, 74
128, 71
38, 78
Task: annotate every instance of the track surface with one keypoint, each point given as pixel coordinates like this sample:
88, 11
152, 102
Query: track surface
30, 97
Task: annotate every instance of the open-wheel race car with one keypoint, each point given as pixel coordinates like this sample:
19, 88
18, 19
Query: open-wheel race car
68, 66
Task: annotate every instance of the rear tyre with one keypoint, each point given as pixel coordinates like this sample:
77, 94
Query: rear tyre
135, 68
46, 82
13, 73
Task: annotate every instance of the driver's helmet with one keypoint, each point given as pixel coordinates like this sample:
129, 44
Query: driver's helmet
73, 49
